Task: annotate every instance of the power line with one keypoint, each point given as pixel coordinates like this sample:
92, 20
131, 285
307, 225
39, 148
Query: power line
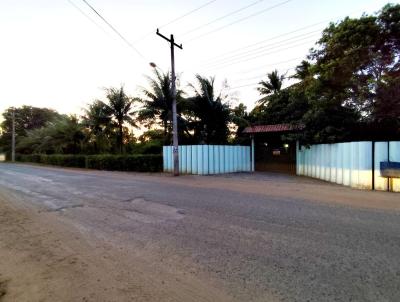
188, 13
282, 35
253, 84
222, 17
115, 30
239, 20
262, 75
87, 16
176, 19
261, 49
265, 66
269, 39
262, 55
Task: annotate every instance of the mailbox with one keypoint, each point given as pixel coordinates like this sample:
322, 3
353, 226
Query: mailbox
390, 169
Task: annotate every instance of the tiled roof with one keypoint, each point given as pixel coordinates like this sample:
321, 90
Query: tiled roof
272, 128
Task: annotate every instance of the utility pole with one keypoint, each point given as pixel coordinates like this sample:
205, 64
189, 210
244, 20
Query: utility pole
174, 115
13, 136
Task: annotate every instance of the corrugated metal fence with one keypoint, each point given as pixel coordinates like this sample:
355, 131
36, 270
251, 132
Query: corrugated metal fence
350, 164
209, 159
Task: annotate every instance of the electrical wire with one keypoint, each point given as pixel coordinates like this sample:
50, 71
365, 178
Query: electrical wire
269, 65
261, 49
220, 18
176, 19
240, 20
253, 84
189, 13
262, 75
262, 55
115, 30
87, 16
282, 35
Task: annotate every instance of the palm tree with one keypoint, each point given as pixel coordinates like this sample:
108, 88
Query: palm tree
303, 71
64, 135
119, 108
157, 102
97, 121
210, 111
272, 85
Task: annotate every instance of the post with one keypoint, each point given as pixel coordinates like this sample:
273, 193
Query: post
373, 165
13, 137
174, 113
297, 160
388, 159
174, 117
252, 154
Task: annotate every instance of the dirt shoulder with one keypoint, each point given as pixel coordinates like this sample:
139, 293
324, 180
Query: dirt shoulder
43, 258
44, 261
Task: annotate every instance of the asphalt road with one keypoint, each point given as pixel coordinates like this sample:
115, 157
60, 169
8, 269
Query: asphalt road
262, 237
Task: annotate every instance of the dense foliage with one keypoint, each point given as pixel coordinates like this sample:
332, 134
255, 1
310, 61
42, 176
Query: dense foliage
348, 89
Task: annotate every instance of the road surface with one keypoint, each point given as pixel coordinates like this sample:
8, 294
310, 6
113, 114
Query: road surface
80, 235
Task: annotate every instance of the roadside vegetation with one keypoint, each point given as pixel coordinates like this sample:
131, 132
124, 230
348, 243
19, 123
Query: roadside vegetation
348, 88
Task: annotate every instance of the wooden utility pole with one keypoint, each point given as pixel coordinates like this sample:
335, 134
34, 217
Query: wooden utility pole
13, 136
174, 115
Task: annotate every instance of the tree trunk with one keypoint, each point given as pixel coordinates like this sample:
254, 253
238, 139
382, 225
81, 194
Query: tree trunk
120, 138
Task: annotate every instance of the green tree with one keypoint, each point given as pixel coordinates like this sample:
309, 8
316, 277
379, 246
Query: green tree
157, 103
356, 56
272, 85
210, 112
97, 122
241, 119
119, 107
26, 118
65, 135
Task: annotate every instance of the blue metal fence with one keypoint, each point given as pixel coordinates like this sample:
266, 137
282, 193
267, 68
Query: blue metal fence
209, 159
354, 164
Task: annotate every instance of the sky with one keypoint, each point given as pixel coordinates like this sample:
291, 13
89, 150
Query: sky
59, 54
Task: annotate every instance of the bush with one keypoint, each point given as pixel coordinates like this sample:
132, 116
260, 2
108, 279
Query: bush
139, 163
31, 158
77, 161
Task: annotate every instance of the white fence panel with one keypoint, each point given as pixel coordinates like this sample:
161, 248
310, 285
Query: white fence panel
350, 164
381, 154
394, 154
209, 159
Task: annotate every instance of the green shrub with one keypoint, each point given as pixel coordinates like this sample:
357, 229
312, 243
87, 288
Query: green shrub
139, 163
31, 158
77, 161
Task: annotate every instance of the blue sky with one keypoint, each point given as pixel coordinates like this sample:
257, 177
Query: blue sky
54, 56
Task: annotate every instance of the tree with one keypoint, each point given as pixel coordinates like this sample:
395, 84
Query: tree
97, 121
241, 119
356, 56
119, 108
26, 118
351, 80
272, 85
157, 103
211, 112
64, 135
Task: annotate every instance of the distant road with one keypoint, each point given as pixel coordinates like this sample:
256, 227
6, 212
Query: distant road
81, 235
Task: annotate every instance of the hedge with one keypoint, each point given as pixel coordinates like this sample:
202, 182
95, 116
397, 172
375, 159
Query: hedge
139, 163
